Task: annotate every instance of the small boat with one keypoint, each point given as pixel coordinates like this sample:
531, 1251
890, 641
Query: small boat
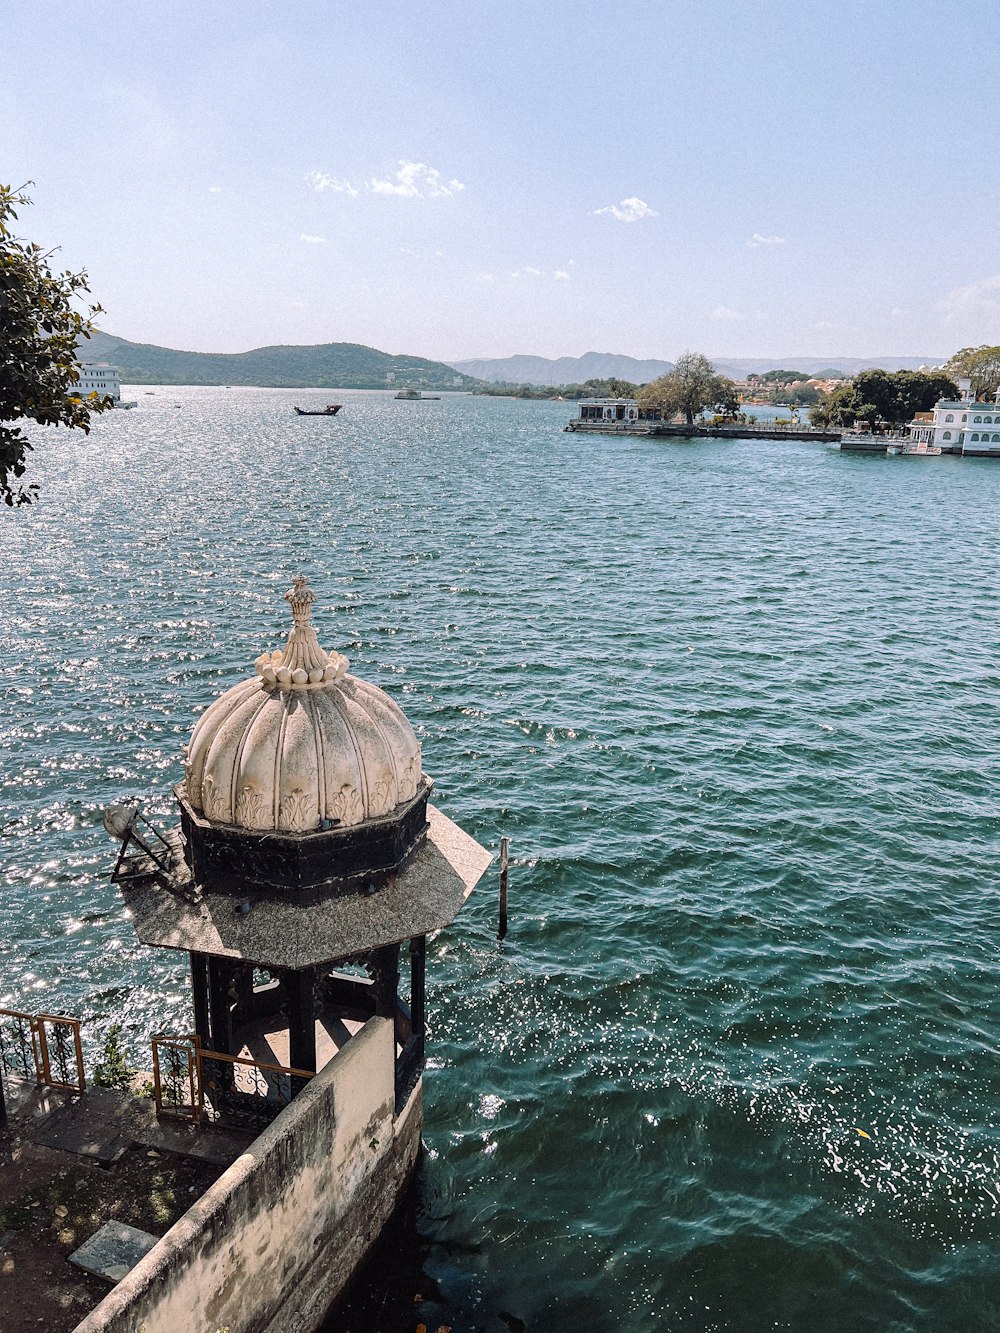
415, 396
330, 410
915, 449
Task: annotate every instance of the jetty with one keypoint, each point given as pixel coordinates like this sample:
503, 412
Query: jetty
702, 430
624, 416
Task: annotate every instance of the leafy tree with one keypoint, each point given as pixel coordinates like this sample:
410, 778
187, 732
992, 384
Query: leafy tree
621, 389
876, 395
689, 388
779, 376
918, 391
39, 333
979, 364
839, 408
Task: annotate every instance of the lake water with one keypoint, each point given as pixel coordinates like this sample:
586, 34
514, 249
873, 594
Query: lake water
737, 706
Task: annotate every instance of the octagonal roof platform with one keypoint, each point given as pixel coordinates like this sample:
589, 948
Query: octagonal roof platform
424, 896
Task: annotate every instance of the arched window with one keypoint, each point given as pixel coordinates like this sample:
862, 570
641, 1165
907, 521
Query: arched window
949, 417
988, 420
975, 435
996, 439
947, 435
977, 419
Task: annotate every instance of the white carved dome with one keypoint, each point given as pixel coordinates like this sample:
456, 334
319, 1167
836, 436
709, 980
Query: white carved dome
301, 743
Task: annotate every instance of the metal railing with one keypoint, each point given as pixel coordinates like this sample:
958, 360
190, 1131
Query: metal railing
190, 1083
45, 1048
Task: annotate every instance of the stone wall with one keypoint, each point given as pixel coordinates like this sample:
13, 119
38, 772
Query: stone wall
274, 1241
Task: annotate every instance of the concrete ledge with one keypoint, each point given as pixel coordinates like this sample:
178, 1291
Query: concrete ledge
273, 1242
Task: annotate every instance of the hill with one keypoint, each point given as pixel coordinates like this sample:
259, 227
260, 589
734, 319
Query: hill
604, 365
326, 366
739, 367
564, 369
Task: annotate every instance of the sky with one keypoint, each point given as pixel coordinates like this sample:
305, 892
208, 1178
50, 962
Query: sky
474, 179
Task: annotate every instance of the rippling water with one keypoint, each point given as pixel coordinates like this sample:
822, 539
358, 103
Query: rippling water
736, 705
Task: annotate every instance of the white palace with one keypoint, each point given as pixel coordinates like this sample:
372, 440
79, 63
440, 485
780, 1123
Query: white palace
98, 377
963, 426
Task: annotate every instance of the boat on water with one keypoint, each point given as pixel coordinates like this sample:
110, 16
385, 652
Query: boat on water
330, 410
914, 449
415, 396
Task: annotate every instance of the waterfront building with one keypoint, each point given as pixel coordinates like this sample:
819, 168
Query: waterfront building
609, 409
965, 425
99, 377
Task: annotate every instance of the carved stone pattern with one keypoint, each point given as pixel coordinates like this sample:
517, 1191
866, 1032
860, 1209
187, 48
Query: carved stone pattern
213, 801
346, 805
251, 808
410, 778
294, 811
381, 796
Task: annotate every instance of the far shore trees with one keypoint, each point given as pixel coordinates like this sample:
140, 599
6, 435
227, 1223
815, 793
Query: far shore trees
689, 388
979, 364
878, 395
39, 333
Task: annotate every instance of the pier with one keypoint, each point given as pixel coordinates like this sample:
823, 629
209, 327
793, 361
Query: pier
699, 430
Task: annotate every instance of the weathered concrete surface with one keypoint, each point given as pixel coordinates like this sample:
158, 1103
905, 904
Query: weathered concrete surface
272, 1244
425, 896
113, 1250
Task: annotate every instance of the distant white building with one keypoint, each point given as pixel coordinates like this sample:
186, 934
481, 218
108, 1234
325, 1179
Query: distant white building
98, 377
965, 425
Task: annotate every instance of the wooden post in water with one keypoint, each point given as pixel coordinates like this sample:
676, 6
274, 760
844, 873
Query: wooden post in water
504, 861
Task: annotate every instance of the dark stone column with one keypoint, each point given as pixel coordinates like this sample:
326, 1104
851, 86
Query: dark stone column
418, 1007
199, 990
220, 975
386, 980
301, 1019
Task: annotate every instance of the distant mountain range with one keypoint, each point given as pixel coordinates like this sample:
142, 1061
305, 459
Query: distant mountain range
739, 367
326, 366
563, 370
352, 366
605, 365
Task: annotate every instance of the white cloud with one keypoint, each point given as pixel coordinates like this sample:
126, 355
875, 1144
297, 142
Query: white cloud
978, 301
415, 180
757, 240
897, 312
725, 312
485, 277
825, 324
529, 271
321, 181
215, 189
312, 240
629, 210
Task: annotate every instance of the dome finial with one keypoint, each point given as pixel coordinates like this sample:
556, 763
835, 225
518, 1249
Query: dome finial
302, 662
300, 597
